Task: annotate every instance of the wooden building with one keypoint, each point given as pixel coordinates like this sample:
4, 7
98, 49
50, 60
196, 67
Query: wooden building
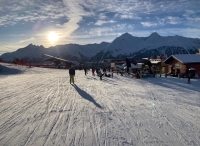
111, 63
158, 64
180, 64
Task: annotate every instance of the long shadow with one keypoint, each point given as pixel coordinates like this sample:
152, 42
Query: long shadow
108, 80
175, 81
86, 96
8, 71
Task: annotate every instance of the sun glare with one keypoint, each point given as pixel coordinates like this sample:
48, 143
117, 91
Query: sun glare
53, 37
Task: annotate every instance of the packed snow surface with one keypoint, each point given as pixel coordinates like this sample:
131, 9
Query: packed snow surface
39, 107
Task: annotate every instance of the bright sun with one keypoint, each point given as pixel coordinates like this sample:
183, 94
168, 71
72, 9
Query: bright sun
53, 37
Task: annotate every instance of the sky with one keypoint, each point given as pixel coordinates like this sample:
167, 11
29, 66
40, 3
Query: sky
53, 22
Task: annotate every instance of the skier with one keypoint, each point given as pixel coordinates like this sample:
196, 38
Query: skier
189, 76
85, 69
100, 75
137, 74
93, 70
71, 74
104, 70
108, 75
97, 71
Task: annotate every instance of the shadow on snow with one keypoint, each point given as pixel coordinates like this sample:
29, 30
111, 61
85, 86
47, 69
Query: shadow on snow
175, 83
8, 71
86, 96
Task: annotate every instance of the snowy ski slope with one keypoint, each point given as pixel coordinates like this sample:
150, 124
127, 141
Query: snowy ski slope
38, 107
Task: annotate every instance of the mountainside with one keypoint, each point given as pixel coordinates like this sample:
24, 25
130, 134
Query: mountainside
129, 46
69, 51
30, 52
123, 46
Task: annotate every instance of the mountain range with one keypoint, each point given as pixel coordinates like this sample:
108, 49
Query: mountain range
123, 46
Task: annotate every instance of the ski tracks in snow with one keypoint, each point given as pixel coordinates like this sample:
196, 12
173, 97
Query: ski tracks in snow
173, 126
40, 107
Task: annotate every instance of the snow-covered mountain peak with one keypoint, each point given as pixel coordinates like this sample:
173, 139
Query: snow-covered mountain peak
34, 46
154, 35
30, 45
124, 36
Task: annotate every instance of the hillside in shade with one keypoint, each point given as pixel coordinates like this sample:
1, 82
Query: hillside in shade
123, 46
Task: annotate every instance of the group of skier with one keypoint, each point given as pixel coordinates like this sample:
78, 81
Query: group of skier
98, 72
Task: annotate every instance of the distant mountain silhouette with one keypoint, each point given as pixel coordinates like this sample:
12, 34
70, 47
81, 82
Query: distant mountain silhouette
123, 46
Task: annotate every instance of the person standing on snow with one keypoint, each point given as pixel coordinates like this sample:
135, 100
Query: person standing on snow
97, 71
100, 75
93, 70
189, 76
71, 74
85, 69
104, 70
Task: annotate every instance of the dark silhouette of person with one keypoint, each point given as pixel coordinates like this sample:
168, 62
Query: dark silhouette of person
71, 74
189, 76
85, 70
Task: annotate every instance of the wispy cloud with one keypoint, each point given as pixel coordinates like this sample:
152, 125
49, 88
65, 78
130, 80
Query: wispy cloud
149, 24
192, 16
112, 29
101, 22
75, 13
130, 16
27, 40
173, 20
186, 32
102, 16
29, 12
90, 23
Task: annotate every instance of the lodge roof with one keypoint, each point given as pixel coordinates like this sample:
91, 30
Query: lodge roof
155, 61
184, 58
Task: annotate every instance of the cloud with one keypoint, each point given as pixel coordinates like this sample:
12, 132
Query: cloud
117, 28
129, 16
90, 23
59, 26
75, 13
173, 20
30, 11
187, 32
191, 32
192, 16
101, 22
102, 16
162, 21
149, 24
27, 40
